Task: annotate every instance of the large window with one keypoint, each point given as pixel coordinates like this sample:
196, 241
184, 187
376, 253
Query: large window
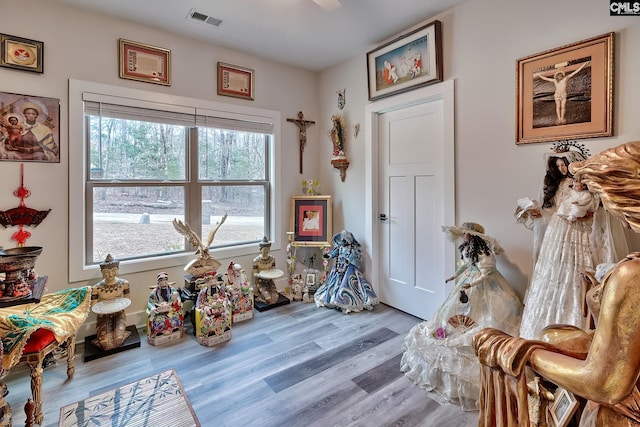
145, 163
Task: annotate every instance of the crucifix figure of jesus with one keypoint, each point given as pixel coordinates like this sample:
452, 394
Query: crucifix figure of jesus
302, 128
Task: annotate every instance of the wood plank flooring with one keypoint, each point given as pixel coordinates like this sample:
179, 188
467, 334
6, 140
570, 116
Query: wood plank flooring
294, 365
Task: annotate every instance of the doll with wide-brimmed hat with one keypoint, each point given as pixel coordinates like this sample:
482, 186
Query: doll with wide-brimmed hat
438, 353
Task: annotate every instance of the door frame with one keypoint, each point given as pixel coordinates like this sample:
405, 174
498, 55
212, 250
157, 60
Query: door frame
441, 91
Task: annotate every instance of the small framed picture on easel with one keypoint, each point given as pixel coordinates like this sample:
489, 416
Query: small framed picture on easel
563, 407
311, 220
310, 280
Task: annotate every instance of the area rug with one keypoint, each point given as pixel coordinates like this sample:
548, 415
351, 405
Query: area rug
158, 400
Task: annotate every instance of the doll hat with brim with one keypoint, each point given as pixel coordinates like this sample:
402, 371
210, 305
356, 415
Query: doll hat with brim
475, 229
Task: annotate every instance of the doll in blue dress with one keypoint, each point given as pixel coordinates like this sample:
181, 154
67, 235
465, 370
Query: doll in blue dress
346, 288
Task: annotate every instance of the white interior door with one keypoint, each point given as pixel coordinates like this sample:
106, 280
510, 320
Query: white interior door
416, 199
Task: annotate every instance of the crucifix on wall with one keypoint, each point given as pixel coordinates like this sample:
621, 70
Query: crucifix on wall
302, 128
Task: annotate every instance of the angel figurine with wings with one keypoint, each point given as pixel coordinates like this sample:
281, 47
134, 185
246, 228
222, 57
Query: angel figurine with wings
204, 263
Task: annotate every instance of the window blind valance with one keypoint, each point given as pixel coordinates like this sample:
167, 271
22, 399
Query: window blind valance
132, 109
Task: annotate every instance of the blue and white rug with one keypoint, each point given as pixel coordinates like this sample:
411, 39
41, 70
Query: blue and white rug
158, 400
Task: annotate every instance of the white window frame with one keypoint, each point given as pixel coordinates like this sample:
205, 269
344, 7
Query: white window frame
79, 269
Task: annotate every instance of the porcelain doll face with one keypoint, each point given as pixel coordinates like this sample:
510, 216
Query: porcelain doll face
265, 251
237, 270
562, 166
109, 274
162, 280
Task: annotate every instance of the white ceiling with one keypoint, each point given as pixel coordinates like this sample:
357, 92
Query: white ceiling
295, 32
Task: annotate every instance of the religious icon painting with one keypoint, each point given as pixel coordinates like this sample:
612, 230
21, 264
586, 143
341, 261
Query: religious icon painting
411, 61
311, 220
567, 92
29, 128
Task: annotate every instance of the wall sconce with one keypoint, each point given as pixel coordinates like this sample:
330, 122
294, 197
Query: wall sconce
341, 165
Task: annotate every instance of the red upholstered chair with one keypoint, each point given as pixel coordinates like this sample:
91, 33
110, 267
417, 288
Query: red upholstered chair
38, 346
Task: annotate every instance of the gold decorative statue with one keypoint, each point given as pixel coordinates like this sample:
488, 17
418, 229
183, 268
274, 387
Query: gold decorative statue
601, 366
204, 263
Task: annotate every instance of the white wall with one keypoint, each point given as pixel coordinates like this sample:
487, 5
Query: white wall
482, 40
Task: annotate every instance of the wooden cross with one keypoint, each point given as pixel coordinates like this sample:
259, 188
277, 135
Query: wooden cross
302, 128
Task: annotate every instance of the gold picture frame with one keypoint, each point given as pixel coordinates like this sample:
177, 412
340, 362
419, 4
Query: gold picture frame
21, 54
144, 63
311, 220
567, 92
563, 407
235, 81
411, 61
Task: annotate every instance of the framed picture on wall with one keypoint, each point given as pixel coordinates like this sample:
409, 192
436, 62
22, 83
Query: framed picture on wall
145, 63
567, 92
30, 128
21, 54
235, 81
311, 220
408, 62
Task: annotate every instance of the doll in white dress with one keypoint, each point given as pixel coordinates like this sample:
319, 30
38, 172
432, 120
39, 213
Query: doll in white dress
438, 353
563, 249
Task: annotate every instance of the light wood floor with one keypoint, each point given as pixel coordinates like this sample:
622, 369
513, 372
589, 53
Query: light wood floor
295, 365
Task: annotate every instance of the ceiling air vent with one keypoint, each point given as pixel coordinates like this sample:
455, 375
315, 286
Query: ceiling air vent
204, 19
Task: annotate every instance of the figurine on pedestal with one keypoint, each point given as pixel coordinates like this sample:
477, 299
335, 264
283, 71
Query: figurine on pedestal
212, 311
165, 318
264, 271
338, 137
204, 263
109, 298
239, 292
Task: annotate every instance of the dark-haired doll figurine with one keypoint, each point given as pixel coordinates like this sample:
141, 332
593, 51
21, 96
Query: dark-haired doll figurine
564, 248
438, 353
346, 288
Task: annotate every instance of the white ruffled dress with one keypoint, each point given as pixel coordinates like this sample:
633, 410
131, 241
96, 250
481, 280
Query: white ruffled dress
566, 249
438, 353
